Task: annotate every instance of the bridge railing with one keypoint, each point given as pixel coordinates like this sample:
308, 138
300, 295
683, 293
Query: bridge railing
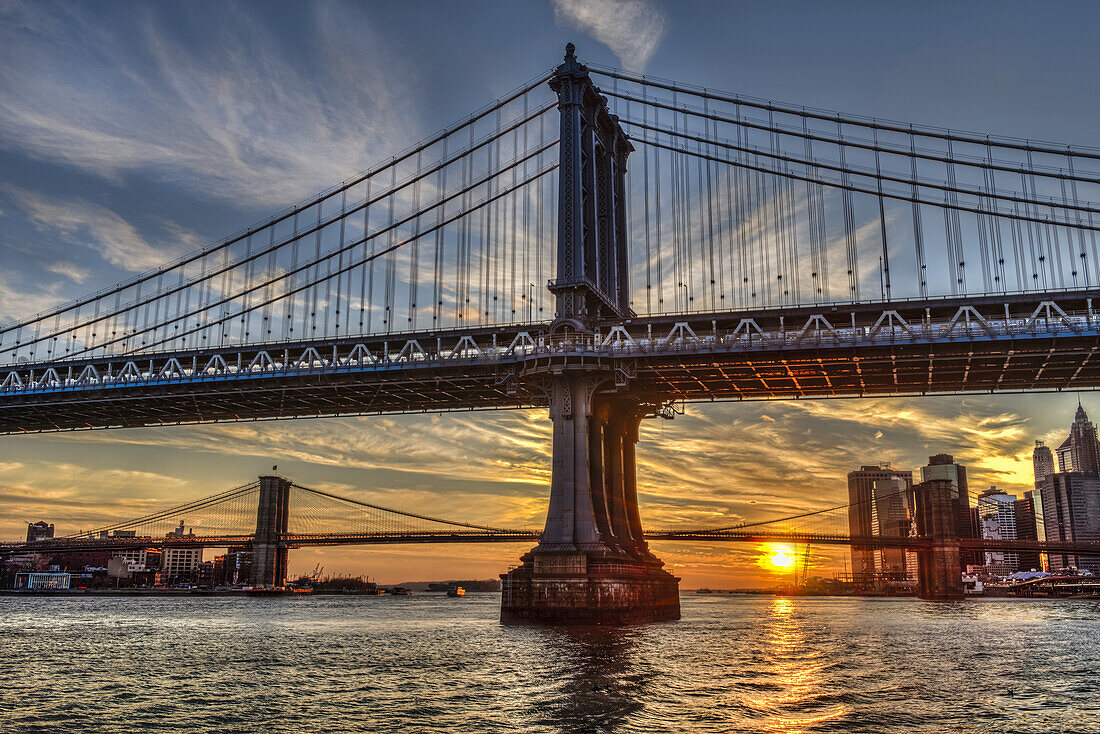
811, 329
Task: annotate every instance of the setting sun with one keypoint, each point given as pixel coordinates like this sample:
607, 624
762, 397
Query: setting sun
779, 556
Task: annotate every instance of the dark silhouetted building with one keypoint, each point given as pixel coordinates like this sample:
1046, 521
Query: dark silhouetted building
943, 467
879, 500
1071, 513
39, 531
80, 560
1080, 452
234, 568
1027, 528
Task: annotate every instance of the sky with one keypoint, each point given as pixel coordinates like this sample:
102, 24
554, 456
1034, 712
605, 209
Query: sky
131, 133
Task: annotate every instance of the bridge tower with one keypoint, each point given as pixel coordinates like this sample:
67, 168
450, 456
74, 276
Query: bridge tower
269, 554
591, 278
592, 564
938, 574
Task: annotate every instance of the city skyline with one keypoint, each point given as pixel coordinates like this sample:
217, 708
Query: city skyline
716, 566
728, 461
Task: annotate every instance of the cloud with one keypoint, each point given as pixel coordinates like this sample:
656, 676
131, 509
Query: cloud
17, 299
632, 29
116, 239
68, 270
235, 116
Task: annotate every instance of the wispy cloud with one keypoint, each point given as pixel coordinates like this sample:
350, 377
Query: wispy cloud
632, 29
115, 239
68, 270
18, 298
237, 118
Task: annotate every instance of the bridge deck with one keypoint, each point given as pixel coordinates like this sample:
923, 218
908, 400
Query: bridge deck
992, 344
299, 540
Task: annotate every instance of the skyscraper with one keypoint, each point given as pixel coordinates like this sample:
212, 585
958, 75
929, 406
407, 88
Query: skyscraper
1067, 503
1043, 459
1080, 452
879, 505
1028, 528
997, 511
1071, 512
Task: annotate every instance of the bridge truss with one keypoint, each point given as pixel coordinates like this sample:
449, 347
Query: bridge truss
768, 251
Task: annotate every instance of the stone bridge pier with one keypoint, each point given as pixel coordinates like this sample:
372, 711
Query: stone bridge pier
592, 564
938, 567
269, 554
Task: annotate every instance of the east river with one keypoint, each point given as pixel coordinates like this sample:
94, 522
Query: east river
430, 663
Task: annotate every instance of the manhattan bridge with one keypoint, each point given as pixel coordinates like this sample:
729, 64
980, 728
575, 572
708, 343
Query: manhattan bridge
609, 246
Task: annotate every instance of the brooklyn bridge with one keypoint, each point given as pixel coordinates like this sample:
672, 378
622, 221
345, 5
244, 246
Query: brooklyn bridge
749, 251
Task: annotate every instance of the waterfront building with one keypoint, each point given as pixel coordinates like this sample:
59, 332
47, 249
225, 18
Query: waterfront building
39, 531
42, 581
1080, 452
139, 559
204, 574
180, 564
234, 568
80, 560
1071, 512
997, 511
880, 504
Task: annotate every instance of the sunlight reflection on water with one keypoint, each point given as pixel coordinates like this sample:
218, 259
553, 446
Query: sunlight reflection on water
430, 663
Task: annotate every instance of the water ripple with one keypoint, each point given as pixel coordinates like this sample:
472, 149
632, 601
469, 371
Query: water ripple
429, 664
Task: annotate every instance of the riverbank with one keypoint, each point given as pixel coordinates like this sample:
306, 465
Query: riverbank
152, 592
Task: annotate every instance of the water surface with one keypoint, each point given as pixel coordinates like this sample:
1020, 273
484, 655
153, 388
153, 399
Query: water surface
430, 663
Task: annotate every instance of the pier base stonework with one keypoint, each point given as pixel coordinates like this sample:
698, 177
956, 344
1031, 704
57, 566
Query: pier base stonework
573, 589
592, 564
